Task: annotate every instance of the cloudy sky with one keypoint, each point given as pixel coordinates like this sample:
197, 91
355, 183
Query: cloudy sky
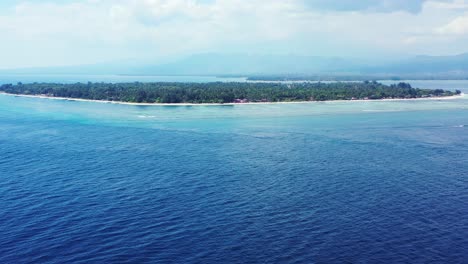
70, 32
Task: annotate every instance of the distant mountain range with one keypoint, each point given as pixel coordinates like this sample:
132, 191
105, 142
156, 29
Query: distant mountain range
238, 64
276, 65
427, 65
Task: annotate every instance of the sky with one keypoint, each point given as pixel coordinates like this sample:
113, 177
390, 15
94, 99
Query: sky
42, 33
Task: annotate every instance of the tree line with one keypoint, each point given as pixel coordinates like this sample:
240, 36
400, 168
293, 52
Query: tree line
222, 92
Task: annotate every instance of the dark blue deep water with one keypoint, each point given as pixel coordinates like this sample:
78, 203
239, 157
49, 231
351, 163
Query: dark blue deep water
380, 182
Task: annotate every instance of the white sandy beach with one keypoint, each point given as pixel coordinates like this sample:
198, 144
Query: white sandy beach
462, 95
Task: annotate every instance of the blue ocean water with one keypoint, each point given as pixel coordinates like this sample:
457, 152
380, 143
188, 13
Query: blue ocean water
337, 182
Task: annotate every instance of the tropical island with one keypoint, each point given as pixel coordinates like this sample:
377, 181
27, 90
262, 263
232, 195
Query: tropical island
222, 93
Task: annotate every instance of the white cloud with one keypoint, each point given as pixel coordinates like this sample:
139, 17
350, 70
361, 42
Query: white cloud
459, 26
455, 4
89, 31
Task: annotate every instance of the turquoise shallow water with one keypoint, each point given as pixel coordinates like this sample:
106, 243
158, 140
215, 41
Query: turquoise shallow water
282, 183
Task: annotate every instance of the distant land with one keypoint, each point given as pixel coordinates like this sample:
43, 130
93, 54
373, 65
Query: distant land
279, 67
220, 93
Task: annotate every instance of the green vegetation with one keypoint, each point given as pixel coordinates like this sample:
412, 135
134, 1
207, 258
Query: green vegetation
223, 92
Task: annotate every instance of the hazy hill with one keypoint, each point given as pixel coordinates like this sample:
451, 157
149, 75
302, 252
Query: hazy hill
246, 65
239, 64
427, 64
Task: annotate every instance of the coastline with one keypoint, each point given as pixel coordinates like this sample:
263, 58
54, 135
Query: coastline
232, 104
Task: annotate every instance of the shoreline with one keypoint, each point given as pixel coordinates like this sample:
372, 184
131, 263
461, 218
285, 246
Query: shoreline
231, 104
